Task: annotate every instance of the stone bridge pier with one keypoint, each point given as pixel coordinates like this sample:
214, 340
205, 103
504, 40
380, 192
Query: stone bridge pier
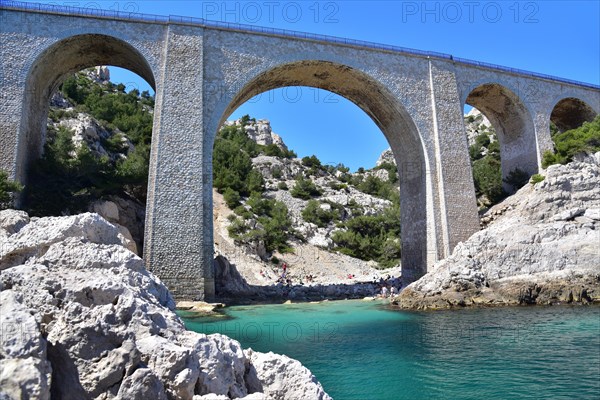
203, 71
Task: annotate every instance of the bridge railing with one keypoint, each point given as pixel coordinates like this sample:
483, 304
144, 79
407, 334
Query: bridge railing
201, 22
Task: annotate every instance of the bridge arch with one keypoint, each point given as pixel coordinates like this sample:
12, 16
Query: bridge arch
48, 70
513, 123
388, 114
570, 113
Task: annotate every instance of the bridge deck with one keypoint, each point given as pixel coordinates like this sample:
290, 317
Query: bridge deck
201, 22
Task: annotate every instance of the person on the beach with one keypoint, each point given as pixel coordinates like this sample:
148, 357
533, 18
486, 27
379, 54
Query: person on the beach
384, 292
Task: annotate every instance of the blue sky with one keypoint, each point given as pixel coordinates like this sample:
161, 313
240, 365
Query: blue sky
559, 38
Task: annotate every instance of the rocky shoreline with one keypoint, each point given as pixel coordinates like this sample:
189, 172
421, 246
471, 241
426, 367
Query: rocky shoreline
540, 246
83, 318
233, 288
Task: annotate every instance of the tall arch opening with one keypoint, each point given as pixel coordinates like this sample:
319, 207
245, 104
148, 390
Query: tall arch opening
52, 67
571, 113
84, 141
514, 128
387, 114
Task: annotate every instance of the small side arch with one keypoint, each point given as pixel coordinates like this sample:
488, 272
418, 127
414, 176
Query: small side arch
570, 113
513, 124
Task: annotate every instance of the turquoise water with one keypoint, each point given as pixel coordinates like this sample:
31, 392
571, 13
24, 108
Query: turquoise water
362, 350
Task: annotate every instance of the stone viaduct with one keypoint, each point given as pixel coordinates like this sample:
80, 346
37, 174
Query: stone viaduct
202, 71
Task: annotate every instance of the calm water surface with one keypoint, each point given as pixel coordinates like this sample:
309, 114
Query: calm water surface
362, 350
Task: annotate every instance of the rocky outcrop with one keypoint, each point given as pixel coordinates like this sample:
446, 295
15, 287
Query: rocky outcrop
260, 131
387, 157
541, 246
29, 240
475, 124
83, 318
87, 129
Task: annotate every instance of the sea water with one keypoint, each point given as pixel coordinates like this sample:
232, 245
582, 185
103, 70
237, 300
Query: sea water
363, 350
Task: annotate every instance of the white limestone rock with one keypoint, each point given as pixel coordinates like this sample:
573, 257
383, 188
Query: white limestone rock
88, 130
284, 378
107, 209
142, 384
223, 365
24, 379
11, 221
109, 329
387, 157
35, 238
543, 247
321, 240
477, 123
24, 371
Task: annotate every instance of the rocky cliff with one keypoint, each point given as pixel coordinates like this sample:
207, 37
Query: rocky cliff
541, 246
83, 319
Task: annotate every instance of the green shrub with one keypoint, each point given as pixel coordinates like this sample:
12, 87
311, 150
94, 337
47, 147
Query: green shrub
282, 186
237, 228
115, 144
243, 212
256, 182
311, 161
231, 197
245, 120
475, 152
374, 237
482, 140
8, 189
316, 214
304, 189
272, 150
550, 158
338, 186
376, 187
585, 139
487, 176
342, 168
276, 172
273, 227
536, 178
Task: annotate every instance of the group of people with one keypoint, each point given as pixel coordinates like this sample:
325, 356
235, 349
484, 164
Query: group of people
284, 276
388, 286
388, 291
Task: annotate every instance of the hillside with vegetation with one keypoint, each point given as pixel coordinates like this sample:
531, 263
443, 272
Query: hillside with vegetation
280, 200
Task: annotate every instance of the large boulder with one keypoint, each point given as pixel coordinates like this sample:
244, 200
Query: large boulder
541, 246
87, 320
11, 221
34, 238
